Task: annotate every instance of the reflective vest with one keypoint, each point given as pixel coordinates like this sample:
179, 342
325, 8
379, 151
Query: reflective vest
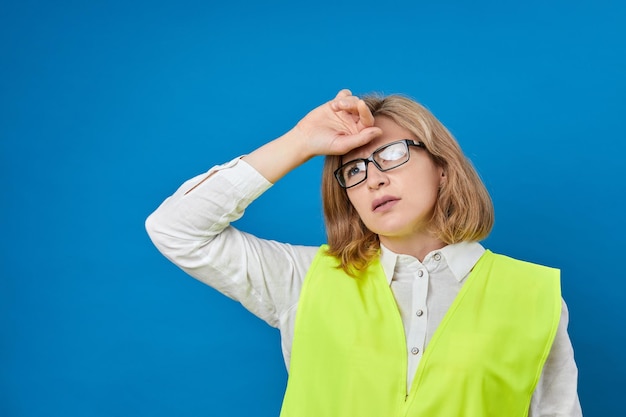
349, 356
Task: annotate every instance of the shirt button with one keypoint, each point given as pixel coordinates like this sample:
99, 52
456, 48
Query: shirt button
420, 273
437, 256
419, 313
415, 351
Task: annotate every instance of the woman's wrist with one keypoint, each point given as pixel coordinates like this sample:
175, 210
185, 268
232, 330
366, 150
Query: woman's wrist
276, 158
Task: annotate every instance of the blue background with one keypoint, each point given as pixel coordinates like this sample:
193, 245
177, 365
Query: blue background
107, 106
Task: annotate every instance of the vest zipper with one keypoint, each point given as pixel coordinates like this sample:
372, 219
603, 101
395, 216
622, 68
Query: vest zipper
400, 330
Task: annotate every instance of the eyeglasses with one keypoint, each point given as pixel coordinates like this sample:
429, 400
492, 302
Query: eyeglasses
385, 158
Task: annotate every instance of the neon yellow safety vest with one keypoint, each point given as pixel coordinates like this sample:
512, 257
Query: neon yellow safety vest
349, 355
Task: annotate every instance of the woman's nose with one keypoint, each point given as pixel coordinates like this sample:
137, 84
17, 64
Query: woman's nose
375, 177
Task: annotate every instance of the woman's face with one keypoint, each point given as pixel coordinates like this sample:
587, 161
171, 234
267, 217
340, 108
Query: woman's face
396, 204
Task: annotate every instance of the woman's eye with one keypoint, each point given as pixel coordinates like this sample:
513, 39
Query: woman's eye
352, 171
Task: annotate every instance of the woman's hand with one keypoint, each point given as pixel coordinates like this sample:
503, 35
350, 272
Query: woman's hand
337, 127
334, 128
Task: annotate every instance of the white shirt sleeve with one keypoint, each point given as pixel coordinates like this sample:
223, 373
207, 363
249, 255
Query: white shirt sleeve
192, 229
556, 393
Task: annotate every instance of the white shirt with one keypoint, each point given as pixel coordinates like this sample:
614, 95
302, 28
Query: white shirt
192, 229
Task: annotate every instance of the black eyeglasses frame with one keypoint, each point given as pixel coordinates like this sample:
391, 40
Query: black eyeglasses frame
408, 142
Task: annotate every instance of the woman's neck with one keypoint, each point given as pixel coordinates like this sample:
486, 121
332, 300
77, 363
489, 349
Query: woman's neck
417, 246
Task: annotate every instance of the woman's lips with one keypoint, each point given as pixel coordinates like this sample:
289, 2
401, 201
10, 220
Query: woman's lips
384, 203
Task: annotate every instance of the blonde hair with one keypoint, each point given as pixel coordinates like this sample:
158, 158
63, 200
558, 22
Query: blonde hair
463, 211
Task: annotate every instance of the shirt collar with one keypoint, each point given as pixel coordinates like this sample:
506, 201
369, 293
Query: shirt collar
460, 257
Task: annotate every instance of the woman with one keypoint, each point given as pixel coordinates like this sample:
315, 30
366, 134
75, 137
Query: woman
403, 312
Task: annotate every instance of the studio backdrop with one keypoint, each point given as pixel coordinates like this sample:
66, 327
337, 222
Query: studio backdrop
106, 107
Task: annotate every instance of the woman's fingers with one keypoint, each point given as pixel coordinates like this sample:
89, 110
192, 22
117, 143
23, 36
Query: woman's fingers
338, 126
365, 115
343, 93
351, 108
334, 103
345, 102
346, 143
